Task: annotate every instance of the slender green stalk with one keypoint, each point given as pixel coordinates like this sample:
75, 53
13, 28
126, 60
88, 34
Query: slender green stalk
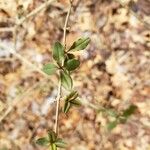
59, 85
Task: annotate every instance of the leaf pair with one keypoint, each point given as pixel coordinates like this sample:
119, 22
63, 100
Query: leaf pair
52, 141
71, 100
58, 56
59, 50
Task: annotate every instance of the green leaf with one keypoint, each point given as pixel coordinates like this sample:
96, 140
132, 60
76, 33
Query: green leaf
112, 125
67, 106
58, 52
76, 102
44, 141
72, 64
80, 44
53, 147
66, 80
129, 111
72, 96
50, 68
52, 136
60, 143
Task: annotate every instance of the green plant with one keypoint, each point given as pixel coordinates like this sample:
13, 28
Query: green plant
64, 64
52, 141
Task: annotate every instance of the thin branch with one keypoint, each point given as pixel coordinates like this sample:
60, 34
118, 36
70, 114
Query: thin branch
66, 23
59, 85
35, 11
57, 107
96, 107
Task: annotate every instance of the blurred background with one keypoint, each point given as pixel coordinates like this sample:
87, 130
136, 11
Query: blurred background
114, 73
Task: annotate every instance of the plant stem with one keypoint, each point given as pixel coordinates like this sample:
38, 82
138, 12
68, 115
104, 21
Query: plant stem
66, 23
59, 85
57, 107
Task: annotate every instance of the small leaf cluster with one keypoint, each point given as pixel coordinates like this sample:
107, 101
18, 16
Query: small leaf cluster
65, 61
120, 117
71, 100
51, 141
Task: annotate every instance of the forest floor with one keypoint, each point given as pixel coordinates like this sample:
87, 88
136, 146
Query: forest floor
114, 73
